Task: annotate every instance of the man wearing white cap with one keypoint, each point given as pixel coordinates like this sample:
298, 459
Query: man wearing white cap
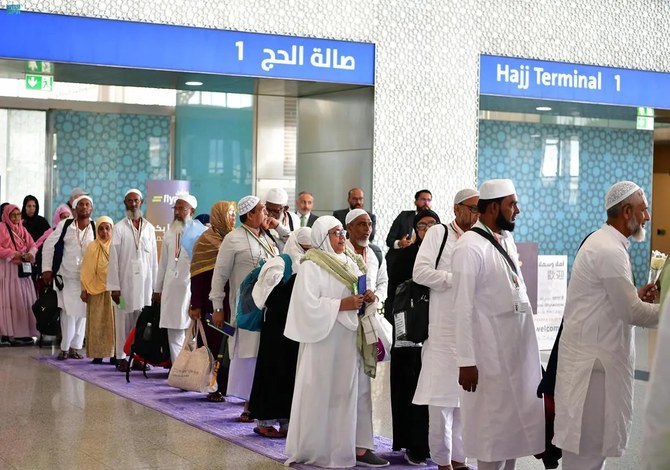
62, 256
241, 252
133, 262
280, 221
496, 346
438, 381
172, 287
596, 354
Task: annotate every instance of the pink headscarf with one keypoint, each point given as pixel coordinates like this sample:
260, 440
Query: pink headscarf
62, 209
22, 238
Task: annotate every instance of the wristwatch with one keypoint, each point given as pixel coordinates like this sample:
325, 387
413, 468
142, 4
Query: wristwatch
217, 310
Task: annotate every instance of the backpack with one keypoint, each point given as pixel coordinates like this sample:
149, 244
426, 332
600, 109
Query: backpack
410, 307
47, 312
378, 253
59, 248
249, 316
147, 342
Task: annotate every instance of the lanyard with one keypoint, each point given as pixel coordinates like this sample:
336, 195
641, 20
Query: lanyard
453, 226
81, 238
177, 248
137, 234
264, 244
508, 261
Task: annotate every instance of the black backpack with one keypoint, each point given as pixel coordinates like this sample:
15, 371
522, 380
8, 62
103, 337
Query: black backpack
47, 312
150, 343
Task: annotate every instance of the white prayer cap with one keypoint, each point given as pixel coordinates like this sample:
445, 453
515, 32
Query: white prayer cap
618, 192
189, 199
304, 235
277, 196
464, 194
353, 214
76, 192
494, 189
81, 198
136, 191
246, 204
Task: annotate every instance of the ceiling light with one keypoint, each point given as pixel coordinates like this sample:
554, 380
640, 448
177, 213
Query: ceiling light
543, 108
193, 83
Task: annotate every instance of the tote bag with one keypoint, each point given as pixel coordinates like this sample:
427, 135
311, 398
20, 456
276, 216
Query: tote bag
193, 369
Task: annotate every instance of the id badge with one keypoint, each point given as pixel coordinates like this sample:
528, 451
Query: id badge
521, 301
27, 268
136, 267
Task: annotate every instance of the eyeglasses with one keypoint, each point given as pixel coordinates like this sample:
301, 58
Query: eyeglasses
472, 209
424, 199
338, 233
425, 225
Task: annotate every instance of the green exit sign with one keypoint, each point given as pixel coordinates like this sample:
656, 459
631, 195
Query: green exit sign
39, 82
39, 66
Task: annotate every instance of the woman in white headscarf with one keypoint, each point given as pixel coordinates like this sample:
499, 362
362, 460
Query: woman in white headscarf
326, 428
274, 377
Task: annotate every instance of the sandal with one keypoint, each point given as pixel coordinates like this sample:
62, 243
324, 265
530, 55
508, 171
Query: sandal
72, 354
269, 431
122, 365
216, 397
62, 356
137, 365
245, 417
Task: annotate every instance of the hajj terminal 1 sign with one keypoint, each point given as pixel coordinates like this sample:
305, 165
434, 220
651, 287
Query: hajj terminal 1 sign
562, 81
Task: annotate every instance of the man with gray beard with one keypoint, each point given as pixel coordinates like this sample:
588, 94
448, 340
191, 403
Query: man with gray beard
133, 262
174, 276
596, 352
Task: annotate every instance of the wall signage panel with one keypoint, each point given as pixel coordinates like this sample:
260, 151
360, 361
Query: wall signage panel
561, 81
94, 41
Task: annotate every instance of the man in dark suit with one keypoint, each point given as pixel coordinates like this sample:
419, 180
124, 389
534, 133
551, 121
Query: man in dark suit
400, 235
303, 207
356, 200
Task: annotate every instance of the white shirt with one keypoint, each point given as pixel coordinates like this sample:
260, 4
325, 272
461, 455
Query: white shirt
283, 230
376, 277
438, 380
503, 419
601, 308
174, 281
75, 244
133, 263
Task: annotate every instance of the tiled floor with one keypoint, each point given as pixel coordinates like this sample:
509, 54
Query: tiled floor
51, 420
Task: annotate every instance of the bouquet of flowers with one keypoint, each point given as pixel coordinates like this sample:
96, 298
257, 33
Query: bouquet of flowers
656, 265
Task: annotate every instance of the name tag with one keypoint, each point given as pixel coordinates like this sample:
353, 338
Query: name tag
521, 301
136, 267
27, 267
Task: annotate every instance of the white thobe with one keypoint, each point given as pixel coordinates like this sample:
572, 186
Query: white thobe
438, 380
376, 276
133, 263
238, 255
173, 281
601, 308
504, 418
655, 449
281, 233
73, 319
324, 428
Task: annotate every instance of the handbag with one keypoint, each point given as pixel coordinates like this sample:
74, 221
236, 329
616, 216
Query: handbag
194, 367
385, 337
411, 306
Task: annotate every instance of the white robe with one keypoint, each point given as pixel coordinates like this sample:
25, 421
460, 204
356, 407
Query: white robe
438, 379
655, 444
504, 418
376, 276
238, 255
174, 283
601, 308
132, 268
75, 244
323, 428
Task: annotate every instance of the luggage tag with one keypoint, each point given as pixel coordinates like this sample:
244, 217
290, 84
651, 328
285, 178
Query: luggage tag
521, 301
27, 268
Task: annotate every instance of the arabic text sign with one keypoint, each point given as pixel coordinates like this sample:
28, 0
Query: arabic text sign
552, 282
526, 78
81, 40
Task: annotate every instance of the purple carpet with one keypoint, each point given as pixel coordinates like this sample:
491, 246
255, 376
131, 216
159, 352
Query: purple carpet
192, 408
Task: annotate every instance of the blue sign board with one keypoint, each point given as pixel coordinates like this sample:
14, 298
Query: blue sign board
93, 41
560, 81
